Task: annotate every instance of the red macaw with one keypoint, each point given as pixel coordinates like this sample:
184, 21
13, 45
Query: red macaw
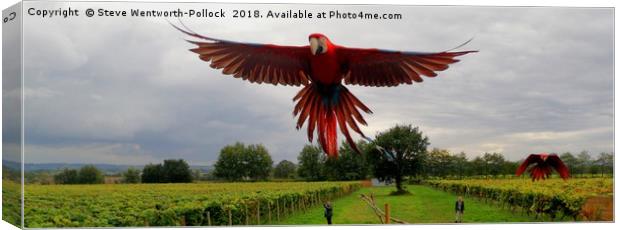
321, 67
543, 163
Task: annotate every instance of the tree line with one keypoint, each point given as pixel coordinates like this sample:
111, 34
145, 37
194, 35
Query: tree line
171, 171
396, 154
88, 174
240, 162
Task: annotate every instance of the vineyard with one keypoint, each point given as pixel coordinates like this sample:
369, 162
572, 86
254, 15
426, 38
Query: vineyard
174, 204
11, 193
553, 197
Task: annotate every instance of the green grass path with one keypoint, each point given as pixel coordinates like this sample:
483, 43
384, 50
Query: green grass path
424, 205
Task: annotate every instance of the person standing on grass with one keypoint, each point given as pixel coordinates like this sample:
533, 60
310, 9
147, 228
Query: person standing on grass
328, 212
459, 208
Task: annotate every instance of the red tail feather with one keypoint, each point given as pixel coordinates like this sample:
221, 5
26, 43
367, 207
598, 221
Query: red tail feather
326, 109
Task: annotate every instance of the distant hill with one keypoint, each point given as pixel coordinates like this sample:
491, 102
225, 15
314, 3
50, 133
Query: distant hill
107, 168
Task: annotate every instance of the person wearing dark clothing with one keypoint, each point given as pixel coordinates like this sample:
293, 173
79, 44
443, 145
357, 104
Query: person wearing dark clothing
459, 208
328, 212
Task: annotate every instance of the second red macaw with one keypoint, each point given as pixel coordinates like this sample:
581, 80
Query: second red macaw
322, 67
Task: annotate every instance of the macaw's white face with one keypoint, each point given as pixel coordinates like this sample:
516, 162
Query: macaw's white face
318, 45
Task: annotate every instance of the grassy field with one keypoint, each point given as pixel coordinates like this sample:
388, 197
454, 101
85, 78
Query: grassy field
424, 205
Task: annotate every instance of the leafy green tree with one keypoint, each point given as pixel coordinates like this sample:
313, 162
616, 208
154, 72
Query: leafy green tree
153, 173
439, 163
237, 162
479, 166
229, 165
462, 167
67, 176
349, 165
584, 162
510, 167
571, 162
285, 169
311, 160
176, 171
131, 176
258, 162
606, 163
489, 164
397, 153
89, 174
494, 162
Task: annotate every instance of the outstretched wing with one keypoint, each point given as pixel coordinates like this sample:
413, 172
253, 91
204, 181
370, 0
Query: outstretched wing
532, 158
559, 166
260, 63
375, 67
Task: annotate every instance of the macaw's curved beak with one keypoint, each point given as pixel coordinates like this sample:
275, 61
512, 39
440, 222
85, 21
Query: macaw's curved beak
319, 50
315, 46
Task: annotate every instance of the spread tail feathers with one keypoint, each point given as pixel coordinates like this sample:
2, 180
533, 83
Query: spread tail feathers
328, 106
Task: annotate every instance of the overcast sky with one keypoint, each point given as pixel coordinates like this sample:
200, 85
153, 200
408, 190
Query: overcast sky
128, 91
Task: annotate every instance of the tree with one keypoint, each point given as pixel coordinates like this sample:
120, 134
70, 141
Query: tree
439, 163
311, 161
131, 176
349, 165
229, 165
153, 173
238, 162
89, 174
67, 176
398, 152
258, 162
494, 162
285, 169
510, 167
584, 162
606, 163
176, 171
570, 161
461, 165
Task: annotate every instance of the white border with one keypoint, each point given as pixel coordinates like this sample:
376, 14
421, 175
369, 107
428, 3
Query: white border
570, 3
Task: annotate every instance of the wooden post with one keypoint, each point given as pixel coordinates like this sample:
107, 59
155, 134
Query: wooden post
209, 218
302, 204
317, 200
229, 217
387, 213
278, 210
313, 200
247, 219
258, 212
269, 211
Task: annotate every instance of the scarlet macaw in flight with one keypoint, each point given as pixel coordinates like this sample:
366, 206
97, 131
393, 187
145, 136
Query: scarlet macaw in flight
322, 67
543, 164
